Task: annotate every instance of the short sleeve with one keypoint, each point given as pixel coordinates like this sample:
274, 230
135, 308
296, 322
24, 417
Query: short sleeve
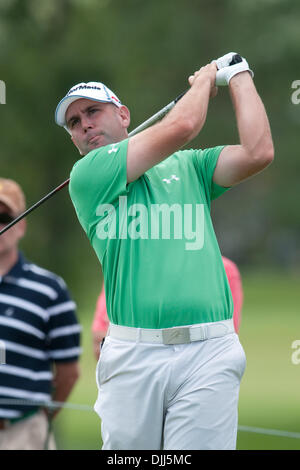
63, 338
98, 178
205, 162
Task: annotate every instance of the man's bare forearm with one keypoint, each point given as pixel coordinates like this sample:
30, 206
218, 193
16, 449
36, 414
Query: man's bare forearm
66, 375
192, 108
253, 125
178, 128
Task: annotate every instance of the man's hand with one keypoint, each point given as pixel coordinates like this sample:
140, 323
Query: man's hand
98, 337
228, 66
208, 72
228, 59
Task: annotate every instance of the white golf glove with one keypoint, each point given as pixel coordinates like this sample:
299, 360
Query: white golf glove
228, 66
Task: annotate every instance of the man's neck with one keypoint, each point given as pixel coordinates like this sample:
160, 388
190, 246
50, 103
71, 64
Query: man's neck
7, 261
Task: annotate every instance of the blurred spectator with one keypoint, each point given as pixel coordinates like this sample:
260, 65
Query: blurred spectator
40, 333
101, 322
236, 287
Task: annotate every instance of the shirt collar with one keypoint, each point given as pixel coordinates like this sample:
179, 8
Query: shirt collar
17, 269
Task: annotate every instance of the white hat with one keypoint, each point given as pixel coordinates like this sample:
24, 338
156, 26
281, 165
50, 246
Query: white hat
92, 90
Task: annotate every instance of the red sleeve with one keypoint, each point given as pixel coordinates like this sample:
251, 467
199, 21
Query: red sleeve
100, 322
235, 283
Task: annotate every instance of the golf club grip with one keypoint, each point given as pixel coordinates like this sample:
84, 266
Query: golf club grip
159, 115
236, 59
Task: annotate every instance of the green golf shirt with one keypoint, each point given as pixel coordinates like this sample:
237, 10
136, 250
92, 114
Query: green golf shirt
154, 237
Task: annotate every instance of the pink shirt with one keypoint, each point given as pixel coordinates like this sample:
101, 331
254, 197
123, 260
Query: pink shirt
101, 322
235, 283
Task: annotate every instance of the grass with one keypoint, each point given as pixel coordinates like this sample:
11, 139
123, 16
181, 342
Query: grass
269, 395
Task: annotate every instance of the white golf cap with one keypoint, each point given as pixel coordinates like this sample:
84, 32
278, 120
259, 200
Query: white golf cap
95, 91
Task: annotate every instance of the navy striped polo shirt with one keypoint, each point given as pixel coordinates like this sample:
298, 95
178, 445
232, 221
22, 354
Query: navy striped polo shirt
38, 327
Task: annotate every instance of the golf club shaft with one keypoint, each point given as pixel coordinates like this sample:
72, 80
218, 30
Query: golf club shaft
159, 115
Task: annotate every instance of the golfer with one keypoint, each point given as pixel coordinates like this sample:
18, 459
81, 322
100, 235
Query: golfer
101, 323
170, 368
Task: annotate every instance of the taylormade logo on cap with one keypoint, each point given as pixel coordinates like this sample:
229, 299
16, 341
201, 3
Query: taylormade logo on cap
95, 91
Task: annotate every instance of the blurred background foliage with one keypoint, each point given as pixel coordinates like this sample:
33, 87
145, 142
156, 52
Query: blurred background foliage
145, 51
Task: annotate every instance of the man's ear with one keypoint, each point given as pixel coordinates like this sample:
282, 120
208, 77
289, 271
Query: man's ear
125, 116
22, 226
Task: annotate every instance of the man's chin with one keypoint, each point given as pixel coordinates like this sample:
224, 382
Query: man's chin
89, 148
96, 142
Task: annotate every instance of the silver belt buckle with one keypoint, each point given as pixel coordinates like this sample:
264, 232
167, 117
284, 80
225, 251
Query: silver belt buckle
176, 336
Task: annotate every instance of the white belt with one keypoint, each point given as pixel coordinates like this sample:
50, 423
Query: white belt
176, 335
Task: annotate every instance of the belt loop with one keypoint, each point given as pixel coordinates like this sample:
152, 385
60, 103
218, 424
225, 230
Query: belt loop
205, 331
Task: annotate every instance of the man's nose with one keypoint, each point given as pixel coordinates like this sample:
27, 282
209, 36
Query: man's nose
86, 123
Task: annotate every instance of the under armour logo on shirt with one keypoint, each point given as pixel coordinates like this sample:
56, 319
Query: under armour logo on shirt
113, 149
173, 177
